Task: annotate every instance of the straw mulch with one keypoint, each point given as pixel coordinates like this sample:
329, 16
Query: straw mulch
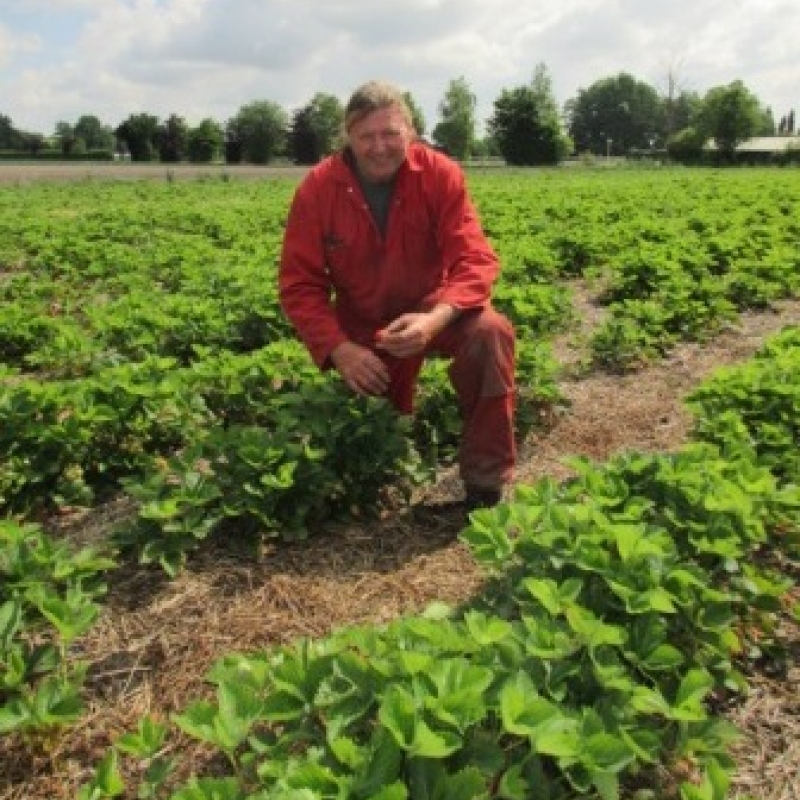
157, 638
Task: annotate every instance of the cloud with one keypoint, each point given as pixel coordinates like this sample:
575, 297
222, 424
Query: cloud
201, 58
12, 46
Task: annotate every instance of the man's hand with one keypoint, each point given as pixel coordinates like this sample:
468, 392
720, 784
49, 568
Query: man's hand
360, 368
411, 333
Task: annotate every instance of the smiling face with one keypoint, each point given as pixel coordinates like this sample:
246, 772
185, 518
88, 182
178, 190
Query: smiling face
379, 141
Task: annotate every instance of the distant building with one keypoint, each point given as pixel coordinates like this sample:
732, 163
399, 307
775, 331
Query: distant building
765, 150
769, 145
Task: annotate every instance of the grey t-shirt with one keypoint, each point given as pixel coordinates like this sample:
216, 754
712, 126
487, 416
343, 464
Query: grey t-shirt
379, 199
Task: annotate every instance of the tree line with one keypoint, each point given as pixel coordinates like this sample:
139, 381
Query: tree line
615, 116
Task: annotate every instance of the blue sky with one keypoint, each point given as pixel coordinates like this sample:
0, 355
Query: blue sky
60, 59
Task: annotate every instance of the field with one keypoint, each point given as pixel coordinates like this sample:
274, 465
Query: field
23, 173
591, 263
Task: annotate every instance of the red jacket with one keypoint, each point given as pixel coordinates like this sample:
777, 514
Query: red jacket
340, 279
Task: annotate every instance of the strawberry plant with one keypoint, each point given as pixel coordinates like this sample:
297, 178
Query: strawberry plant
316, 453
610, 622
47, 600
757, 402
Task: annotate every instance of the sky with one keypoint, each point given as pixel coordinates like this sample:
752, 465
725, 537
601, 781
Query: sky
62, 59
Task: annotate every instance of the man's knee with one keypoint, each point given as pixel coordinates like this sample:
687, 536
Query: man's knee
494, 335
484, 363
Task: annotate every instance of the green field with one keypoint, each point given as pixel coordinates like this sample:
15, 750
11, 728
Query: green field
144, 360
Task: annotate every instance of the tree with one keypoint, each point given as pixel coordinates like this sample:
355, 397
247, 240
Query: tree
542, 88
730, 115
260, 130
327, 118
615, 115
303, 148
65, 134
680, 112
526, 131
686, 146
417, 117
456, 130
234, 147
173, 140
139, 133
526, 127
316, 129
7, 133
95, 135
88, 133
205, 142
767, 125
31, 143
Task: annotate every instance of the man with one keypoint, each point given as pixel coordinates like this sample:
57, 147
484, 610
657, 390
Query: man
384, 263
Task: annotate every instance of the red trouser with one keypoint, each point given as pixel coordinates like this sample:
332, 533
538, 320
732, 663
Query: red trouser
481, 345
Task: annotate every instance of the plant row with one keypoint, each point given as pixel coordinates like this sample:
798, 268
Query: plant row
101, 273
673, 256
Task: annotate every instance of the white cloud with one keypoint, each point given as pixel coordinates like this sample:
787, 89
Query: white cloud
200, 58
13, 45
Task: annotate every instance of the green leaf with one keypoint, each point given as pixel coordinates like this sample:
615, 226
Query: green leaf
523, 711
395, 791
157, 772
467, 784
514, 785
458, 691
210, 789
645, 744
108, 778
606, 783
431, 744
694, 687
545, 590
346, 751
14, 716
71, 618
650, 701
487, 630
592, 630
398, 712
283, 707
381, 766
10, 621
146, 741
414, 662
198, 720
106, 781
606, 752
488, 539
632, 541
56, 701
239, 708
559, 738
437, 610
664, 657
715, 616
719, 780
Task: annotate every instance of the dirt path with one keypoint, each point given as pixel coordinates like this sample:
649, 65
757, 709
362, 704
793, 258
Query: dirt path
34, 172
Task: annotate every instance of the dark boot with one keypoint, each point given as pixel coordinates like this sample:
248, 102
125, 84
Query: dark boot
481, 497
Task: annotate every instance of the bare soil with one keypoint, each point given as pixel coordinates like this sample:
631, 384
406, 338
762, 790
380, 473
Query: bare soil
29, 172
156, 638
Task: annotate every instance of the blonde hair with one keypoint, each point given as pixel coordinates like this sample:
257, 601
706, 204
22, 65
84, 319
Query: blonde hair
372, 96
